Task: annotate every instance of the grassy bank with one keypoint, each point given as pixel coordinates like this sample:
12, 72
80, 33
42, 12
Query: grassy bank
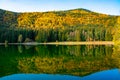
65, 43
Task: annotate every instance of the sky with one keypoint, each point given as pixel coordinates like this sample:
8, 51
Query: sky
111, 7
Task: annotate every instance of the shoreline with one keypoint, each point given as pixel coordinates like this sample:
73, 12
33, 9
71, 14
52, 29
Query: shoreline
65, 43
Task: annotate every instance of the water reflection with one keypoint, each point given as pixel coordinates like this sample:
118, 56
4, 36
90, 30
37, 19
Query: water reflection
20, 48
71, 60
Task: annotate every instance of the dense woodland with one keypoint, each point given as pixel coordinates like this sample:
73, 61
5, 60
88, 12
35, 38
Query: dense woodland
70, 25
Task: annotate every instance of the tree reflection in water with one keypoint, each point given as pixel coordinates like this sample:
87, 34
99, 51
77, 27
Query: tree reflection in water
72, 60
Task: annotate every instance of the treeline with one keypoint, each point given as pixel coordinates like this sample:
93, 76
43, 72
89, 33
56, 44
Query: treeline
12, 35
81, 34
71, 25
53, 35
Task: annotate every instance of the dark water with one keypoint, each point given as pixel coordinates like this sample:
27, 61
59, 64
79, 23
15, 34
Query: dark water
59, 62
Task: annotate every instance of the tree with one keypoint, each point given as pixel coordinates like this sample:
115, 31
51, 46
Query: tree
20, 38
116, 36
77, 35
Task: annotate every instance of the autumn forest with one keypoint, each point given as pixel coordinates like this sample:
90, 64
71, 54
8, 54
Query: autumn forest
70, 25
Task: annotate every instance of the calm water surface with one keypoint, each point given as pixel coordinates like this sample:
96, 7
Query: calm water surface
59, 62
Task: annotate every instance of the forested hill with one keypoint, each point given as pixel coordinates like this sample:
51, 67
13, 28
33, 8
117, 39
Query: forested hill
55, 19
70, 25
8, 19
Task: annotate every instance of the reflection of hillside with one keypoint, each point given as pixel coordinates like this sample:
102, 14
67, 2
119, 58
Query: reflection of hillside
73, 60
61, 66
9, 58
116, 55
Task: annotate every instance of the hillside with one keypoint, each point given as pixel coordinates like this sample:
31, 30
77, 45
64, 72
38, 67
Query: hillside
8, 19
70, 25
53, 19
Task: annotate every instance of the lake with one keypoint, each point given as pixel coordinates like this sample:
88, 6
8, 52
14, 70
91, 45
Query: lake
56, 62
